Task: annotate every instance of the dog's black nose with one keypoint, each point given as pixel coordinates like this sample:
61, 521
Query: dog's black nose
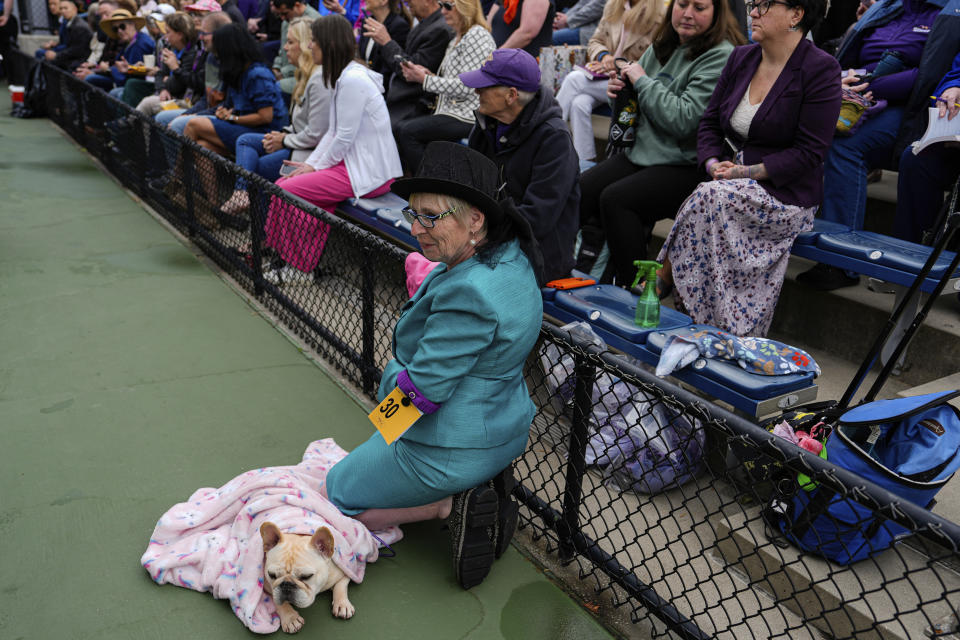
288, 586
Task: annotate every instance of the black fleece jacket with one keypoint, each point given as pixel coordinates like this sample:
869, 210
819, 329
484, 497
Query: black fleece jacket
539, 164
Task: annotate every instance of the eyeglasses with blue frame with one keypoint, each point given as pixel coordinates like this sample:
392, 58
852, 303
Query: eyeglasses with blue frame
426, 220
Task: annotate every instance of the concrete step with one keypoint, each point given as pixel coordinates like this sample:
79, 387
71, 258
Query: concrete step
839, 601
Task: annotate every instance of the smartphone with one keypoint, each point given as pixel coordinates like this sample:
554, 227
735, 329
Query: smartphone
287, 169
399, 57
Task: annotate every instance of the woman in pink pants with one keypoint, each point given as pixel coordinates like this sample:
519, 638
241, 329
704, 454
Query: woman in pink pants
357, 157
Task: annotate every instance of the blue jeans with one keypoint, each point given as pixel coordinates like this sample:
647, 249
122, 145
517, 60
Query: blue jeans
179, 123
102, 81
566, 36
252, 157
164, 118
850, 159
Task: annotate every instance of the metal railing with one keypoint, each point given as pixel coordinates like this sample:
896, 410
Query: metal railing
660, 499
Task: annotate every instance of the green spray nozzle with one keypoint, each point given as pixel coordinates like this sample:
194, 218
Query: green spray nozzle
650, 266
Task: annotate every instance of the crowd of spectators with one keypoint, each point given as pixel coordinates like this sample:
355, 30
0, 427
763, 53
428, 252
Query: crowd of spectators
733, 110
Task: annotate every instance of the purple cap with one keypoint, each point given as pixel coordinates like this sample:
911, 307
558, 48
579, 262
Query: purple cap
508, 68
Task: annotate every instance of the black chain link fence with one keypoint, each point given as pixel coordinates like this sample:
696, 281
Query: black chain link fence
339, 287
664, 503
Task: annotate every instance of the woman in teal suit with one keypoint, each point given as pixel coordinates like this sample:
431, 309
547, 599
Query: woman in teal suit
459, 348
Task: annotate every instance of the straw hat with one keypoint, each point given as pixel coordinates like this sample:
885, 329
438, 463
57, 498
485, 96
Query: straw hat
120, 15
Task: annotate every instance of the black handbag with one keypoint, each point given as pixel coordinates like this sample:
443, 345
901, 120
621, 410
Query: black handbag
623, 122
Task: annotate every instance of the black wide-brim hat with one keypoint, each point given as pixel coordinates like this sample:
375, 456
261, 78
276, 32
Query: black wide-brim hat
452, 169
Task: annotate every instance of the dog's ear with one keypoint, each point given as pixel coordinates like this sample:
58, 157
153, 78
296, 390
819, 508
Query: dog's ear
271, 535
322, 541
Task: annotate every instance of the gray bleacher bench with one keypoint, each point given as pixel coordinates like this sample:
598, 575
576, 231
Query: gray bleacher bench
610, 312
892, 260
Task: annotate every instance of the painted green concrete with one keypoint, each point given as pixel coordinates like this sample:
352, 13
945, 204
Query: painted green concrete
131, 375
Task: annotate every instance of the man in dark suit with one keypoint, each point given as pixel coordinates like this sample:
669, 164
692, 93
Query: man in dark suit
76, 38
426, 45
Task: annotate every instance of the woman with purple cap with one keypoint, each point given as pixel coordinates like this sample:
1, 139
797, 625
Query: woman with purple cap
458, 352
452, 118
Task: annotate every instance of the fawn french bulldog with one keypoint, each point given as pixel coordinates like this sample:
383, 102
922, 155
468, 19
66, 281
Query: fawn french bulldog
297, 568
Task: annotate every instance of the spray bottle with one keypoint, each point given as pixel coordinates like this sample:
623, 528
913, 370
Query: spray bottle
648, 304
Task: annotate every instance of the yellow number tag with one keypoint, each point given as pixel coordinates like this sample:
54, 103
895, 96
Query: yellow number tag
394, 415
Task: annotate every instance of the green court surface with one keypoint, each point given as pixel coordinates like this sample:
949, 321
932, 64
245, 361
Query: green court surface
131, 375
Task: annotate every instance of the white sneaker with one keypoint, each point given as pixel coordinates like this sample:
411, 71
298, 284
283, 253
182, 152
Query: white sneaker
287, 275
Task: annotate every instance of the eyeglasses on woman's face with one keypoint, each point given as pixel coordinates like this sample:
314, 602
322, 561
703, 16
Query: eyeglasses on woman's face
426, 220
445, 5
122, 26
764, 6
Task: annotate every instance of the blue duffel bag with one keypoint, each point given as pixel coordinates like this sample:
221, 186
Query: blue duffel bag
908, 446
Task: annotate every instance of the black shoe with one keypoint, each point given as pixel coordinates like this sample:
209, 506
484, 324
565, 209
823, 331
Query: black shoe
237, 223
826, 278
507, 510
159, 183
474, 513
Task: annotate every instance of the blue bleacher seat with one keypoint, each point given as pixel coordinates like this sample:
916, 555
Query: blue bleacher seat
820, 227
610, 311
382, 214
394, 218
875, 255
612, 308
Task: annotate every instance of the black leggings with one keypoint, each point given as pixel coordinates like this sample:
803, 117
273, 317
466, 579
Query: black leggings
413, 136
626, 200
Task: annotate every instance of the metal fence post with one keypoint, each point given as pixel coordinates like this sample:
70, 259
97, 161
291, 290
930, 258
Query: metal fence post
367, 289
586, 373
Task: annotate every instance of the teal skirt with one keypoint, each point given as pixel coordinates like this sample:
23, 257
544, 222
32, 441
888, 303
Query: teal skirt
411, 474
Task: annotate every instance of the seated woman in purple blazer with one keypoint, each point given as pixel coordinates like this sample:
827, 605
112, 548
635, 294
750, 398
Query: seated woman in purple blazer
762, 139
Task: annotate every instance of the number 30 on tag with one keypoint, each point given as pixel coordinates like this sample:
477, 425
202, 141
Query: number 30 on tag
394, 415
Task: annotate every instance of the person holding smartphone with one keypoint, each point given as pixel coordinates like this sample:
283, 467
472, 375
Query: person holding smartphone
264, 153
356, 157
625, 31
452, 118
673, 80
386, 20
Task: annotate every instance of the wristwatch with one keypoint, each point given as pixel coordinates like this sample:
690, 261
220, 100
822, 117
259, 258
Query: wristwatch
234, 118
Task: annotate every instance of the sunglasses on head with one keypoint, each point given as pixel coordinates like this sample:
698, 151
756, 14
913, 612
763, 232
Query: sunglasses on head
445, 5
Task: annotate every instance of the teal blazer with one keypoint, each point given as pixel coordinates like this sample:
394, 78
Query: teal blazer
463, 338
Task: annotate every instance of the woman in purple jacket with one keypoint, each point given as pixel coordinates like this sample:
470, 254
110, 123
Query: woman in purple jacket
762, 139
881, 56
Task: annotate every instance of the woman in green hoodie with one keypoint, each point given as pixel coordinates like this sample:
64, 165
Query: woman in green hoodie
674, 79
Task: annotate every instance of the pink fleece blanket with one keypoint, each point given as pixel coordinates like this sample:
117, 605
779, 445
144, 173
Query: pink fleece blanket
212, 542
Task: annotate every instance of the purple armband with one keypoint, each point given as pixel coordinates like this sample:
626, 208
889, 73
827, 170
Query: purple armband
410, 390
